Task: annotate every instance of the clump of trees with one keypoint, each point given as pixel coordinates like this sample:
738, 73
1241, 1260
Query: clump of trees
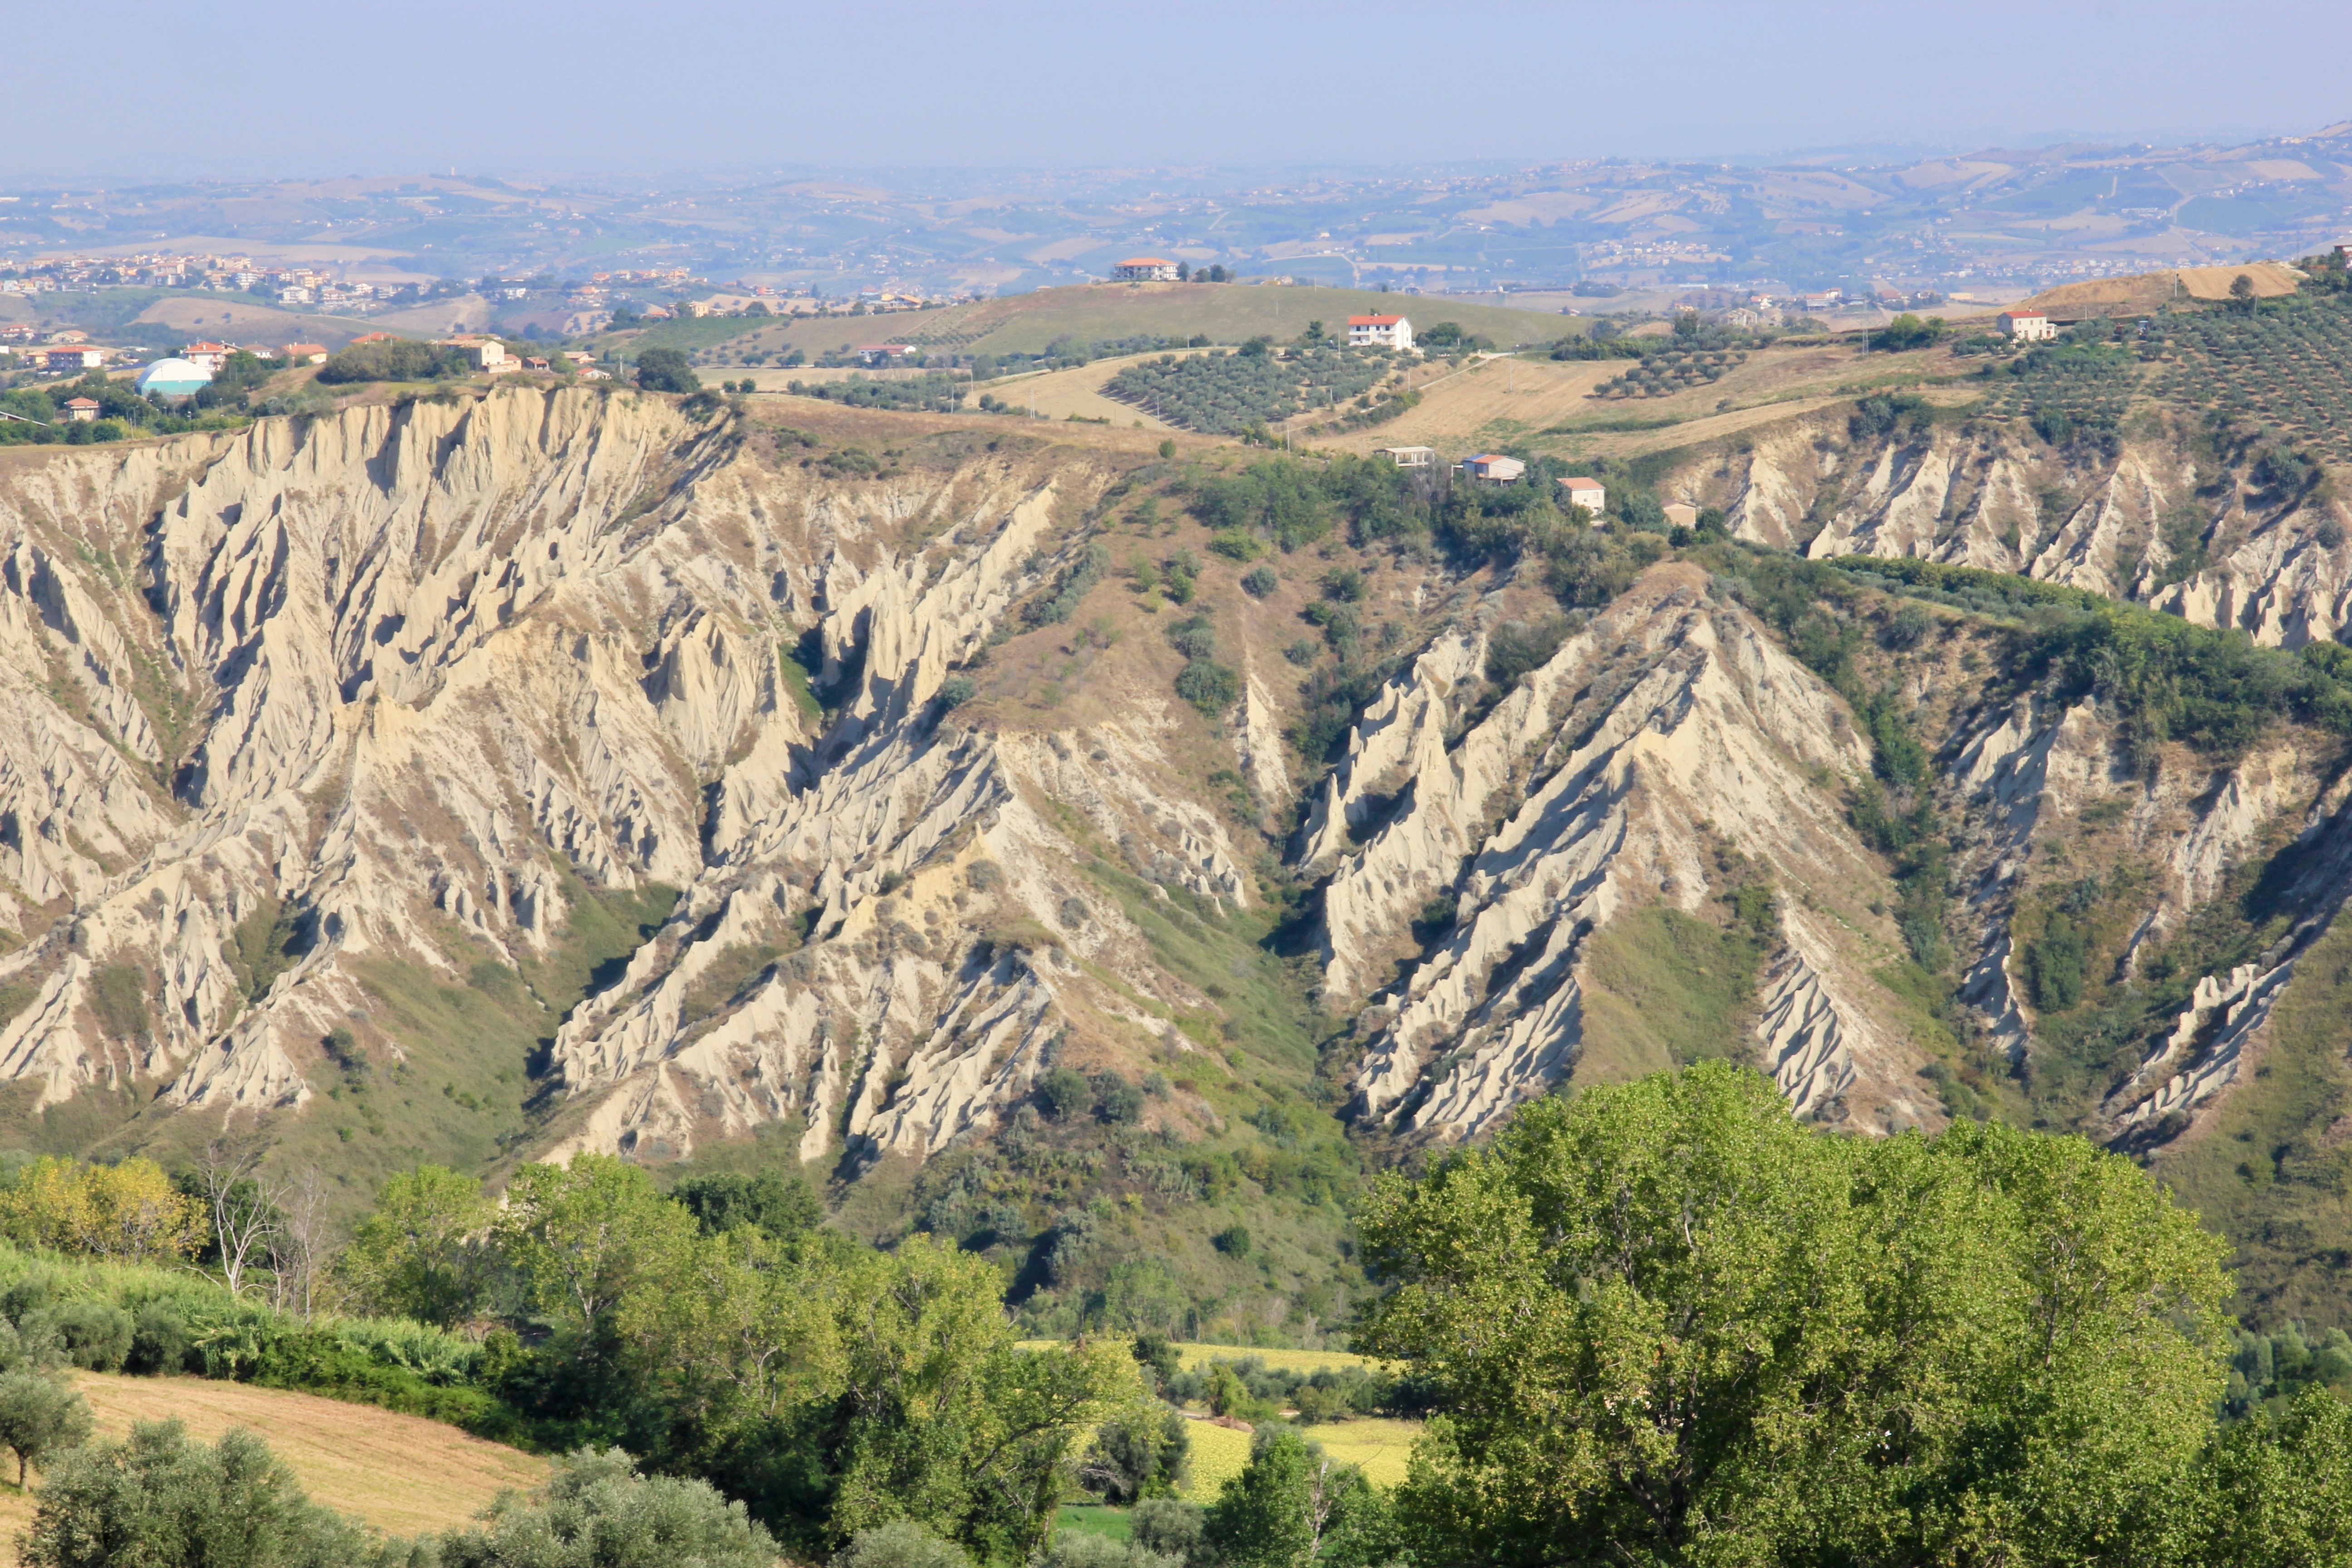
393, 359
1666, 1322
937, 393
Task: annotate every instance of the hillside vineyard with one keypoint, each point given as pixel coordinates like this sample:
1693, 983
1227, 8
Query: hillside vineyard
620, 778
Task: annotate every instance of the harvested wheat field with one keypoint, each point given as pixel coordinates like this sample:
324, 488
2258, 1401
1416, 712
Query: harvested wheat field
403, 1474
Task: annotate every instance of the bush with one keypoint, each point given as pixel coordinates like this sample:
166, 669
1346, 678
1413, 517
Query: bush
1166, 1526
96, 1334
901, 1543
1064, 1093
161, 1501
955, 691
597, 1511
1146, 1456
1260, 580
1209, 686
1233, 1241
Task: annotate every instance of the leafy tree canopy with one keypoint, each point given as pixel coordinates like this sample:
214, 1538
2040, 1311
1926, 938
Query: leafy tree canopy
1669, 1323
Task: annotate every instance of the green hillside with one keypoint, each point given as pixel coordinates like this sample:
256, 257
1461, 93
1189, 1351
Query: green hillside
1096, 313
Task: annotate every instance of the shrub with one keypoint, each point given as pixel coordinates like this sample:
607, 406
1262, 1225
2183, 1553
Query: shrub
96, 1334
1209, 686
1260, 580
1166, 1526
597, 1511
162, 1501
1233, 1241
1235, 545
1064, 1093
901, 1543
955, 691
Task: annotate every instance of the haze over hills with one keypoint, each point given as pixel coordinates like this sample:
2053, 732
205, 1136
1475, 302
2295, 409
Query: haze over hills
1995, 219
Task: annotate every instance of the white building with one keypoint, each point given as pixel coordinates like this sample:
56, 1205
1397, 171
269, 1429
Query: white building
2027, 326
1144, 269
1379, 332
1493, 467
1589, 494
1409, 456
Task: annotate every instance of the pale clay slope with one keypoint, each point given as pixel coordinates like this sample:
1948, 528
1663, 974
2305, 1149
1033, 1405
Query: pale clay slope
1694, 725
1983, 501
398, 669
1991, 501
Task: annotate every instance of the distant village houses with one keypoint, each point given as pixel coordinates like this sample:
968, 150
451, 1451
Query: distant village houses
1380, 331
886, 354
1144, 269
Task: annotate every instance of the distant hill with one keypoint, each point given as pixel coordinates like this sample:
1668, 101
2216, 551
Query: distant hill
2146, 290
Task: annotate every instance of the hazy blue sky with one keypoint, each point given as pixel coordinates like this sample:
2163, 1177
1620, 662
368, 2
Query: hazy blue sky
135, 87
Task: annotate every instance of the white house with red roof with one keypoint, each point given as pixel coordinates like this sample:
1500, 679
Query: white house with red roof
1144, 269
81, 410
2027, 326
1379, 332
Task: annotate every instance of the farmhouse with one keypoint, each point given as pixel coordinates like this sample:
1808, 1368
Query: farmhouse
1409, 456
303, 353
482, 353
1144, 269
81, 410
884, 353
2026, 326
1680, 514
1378, 331
1493, 468
1587, 493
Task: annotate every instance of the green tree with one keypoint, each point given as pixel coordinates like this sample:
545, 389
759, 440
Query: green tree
779, 1205
2278, 1490
158, 1500
39, 1416
580, 1235
597, 1511
1668, 1323
418, 1253
667, 370
940, 1417
1294, 1507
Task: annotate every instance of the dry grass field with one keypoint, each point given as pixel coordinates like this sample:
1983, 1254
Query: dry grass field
403, 1474
1548, 404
